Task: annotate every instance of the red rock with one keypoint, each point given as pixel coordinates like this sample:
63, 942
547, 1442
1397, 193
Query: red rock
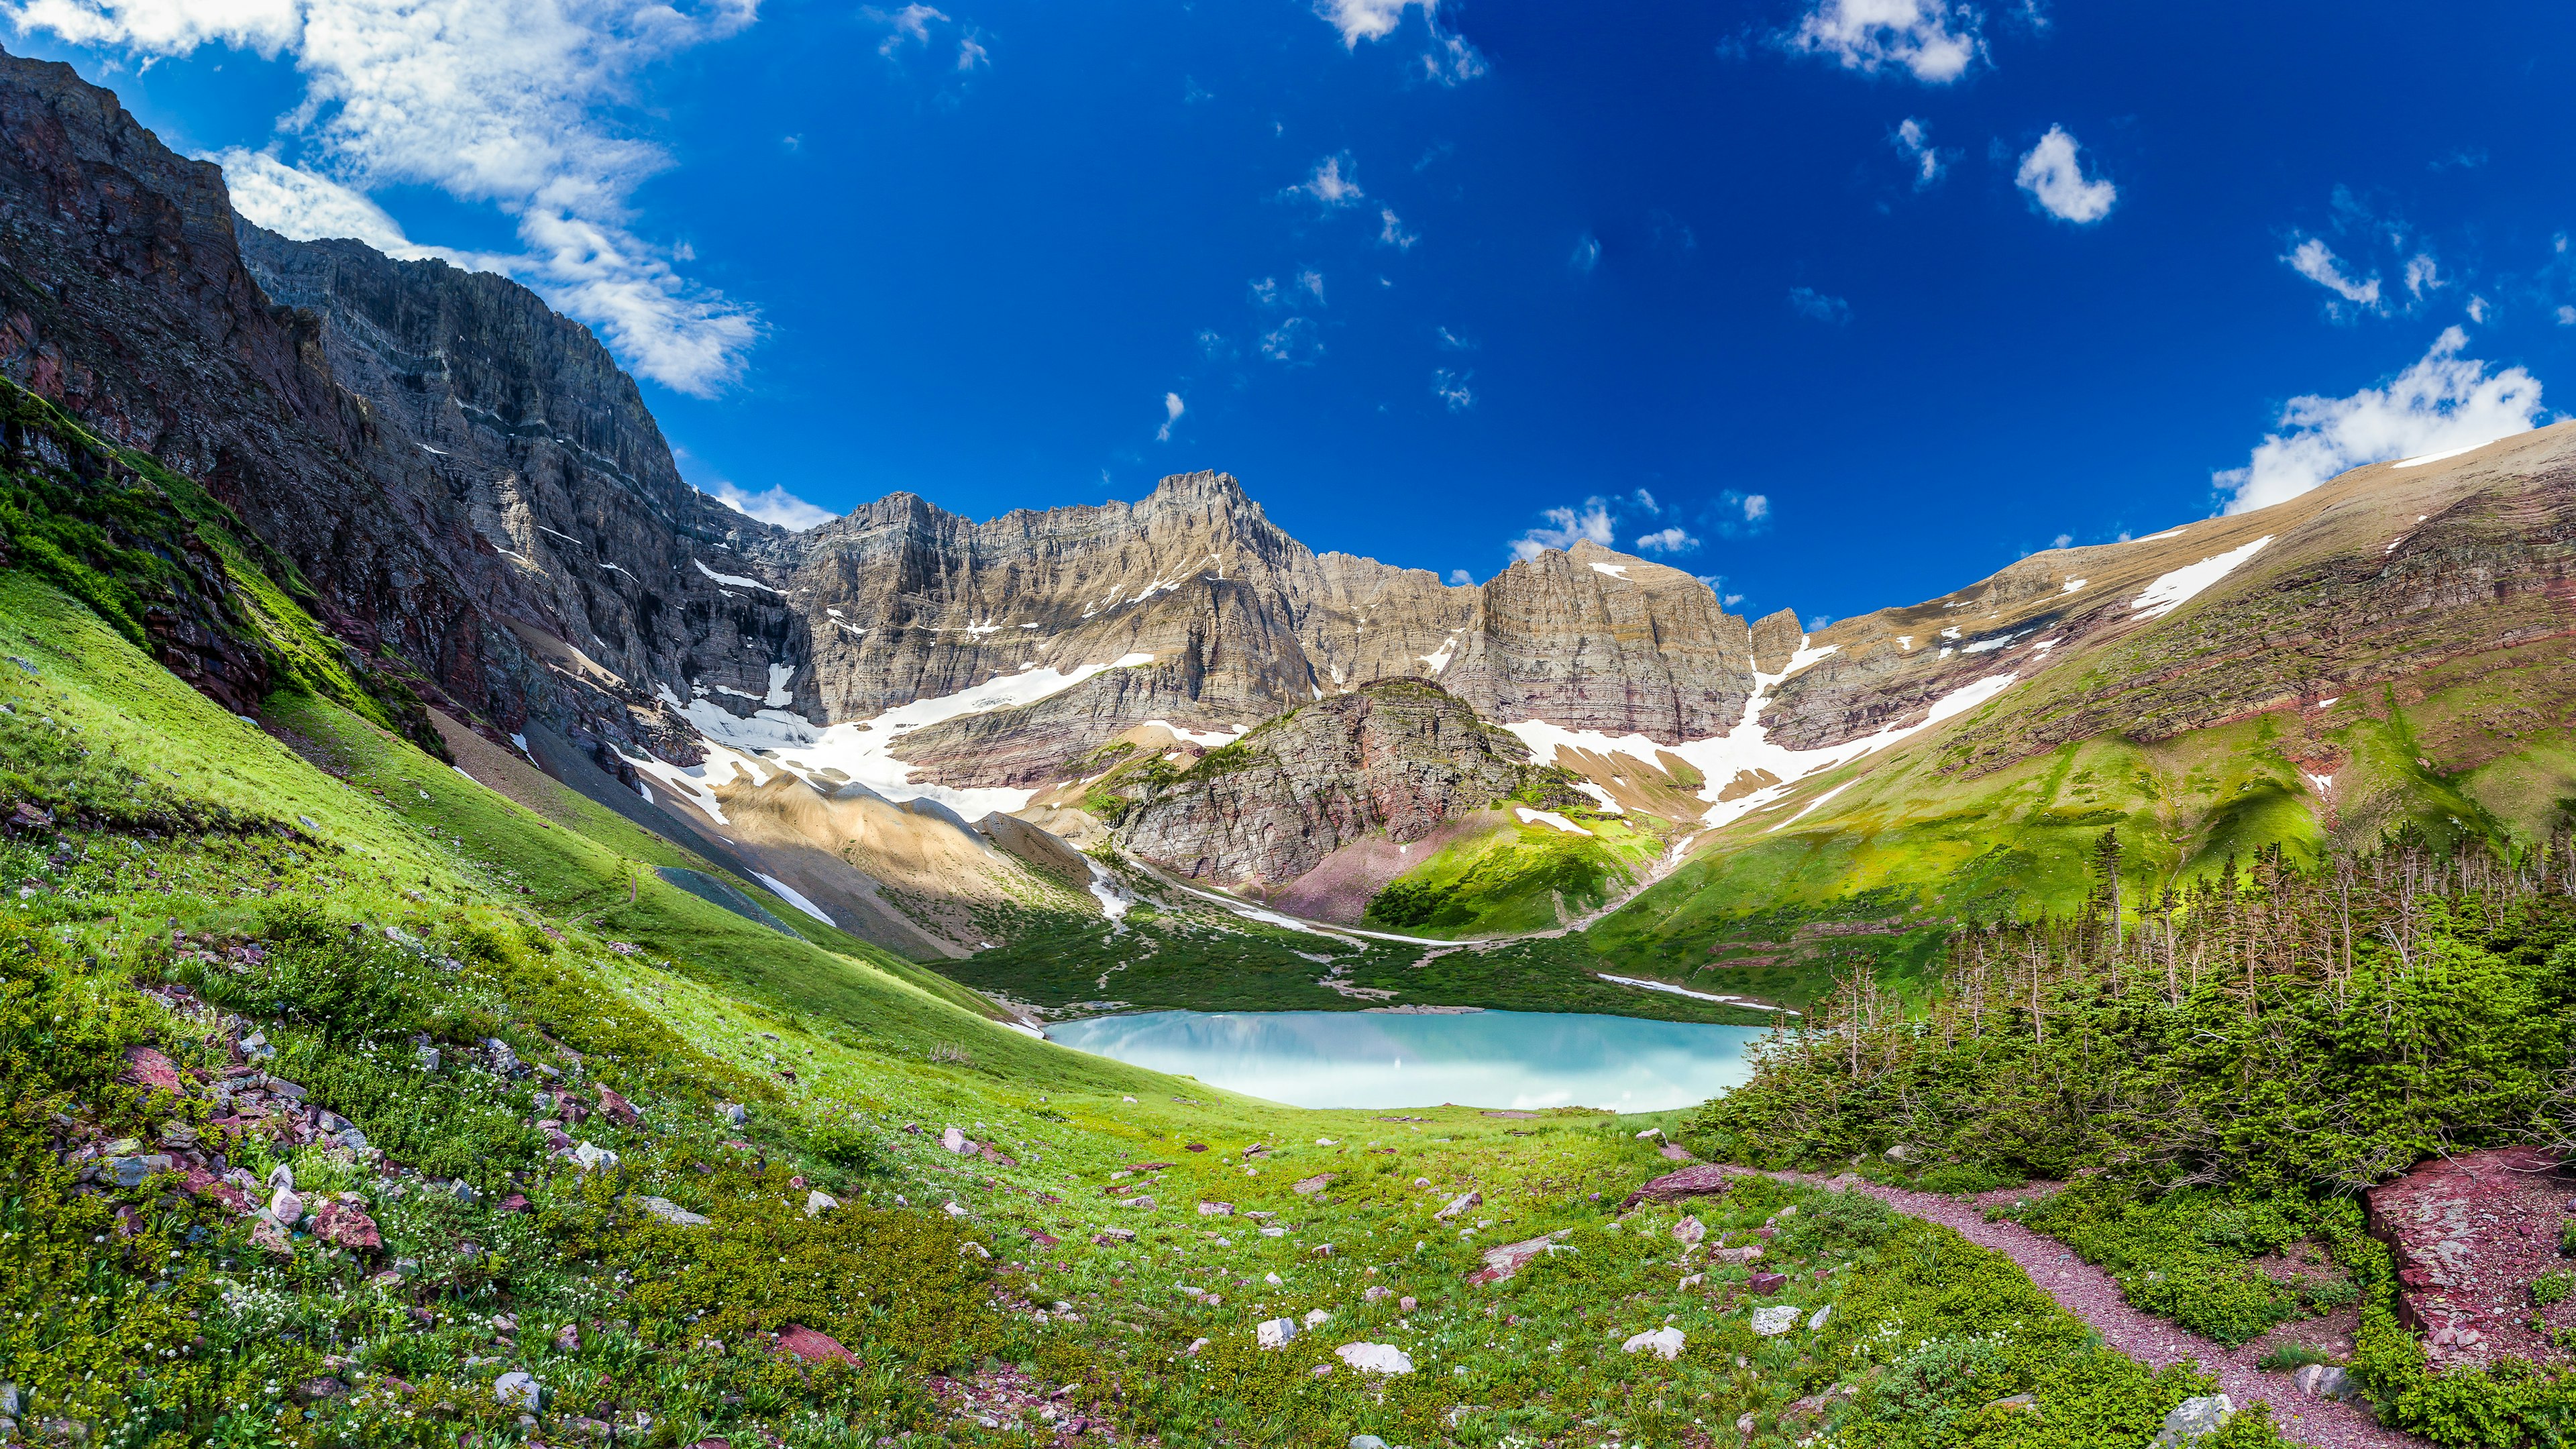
346, 1225
202, 1183
813, 1347
1675, 1152
1044, 1240
514, 1203
2469, 1234
149, 1069
616, 1108
1767, 1284
1706, 1180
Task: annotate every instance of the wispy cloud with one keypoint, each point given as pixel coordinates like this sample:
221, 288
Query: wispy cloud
1931, 40
2444, 402
2316, 261
1667, 540
1173, 407
1391, 231
1450, 60
1461, 576
1296, 342
1451, 388
1817, 306
508, 103
1587, 254
909, 25
1332, 185
770, 505
1452, 341
1913, 139
2053, 173
1566, 527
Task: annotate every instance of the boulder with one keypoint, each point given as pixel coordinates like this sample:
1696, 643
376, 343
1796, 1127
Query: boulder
672, 1213
269, 1237
956, 1141
1375, 1358
812, 1346
2195, 1419
616, 1108
345, 1224
1310, 1186
1274, 1332
1705, 1180
1216, 1210
590, 1157
519, 1391
1689, 1230
1504, 1263
1767, 1284
1460, 1204
1775, 1320
1664, 1343
2325, 1381
2468, 1235
152, 1071
819, 1202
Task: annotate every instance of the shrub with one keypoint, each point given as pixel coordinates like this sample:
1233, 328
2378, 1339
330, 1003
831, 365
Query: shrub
2552, 1287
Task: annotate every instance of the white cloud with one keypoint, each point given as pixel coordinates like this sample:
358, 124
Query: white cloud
2567, 316
501, 102
297, 203
1461, 576
1932, 40
2443, 402
1756, 507
1311, 283
971, 54
2053, 173
1173, 407
1391, 231
1667, 540
1451, 388
1453, 342
1295, 342
1334, 184
771, 505
2478, 308
1265, 292
1809, 303
1587, 253
911, 23
2062, 540
1646, 501
2316, 261
1914, 138
2423, 274
1450, 60
1568, 527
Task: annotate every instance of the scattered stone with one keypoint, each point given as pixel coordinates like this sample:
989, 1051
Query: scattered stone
505, 1062
1407, 1303
590, 1157
1107, 1237
1274, 1332
2018, 1403
568, 1338
1143, 1201
616, 1108
269, 1237
2195, 1419
1312, 1185
671, 1212
1705, 1180
345, 1224
1689, 1231
1375, 1358
1366, 1441
1675, 1152
286, 1206
1767, 1284
1817, 1321
811, 1346
1775, 1320
1317, 1318
1216, 1210
1320, 1250
819, 1202
2324, 1381
130, 1171
955, 1141
1460, 1204
733, 1112
1664, 1343
316, 1389
1506, 1262
519, 1391
1375, 1292
151, 1071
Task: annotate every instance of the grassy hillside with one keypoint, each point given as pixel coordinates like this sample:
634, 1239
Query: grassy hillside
196, 893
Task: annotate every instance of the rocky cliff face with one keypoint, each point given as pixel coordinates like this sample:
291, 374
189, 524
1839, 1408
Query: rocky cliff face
1398, 756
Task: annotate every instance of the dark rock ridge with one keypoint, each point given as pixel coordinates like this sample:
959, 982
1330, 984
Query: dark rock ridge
1398, 756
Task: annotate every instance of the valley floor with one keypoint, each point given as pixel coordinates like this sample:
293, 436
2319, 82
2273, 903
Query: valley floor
353, 1102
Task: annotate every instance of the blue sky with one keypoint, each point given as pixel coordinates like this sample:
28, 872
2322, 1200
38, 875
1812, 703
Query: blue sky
1840, 303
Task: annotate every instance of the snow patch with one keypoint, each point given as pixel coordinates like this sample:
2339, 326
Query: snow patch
1997, 642
1667, 987
1439, 658
1811, 806
1204, 739
787, 893
2422, 459
779, 693
2073, 584
2171, 591
1548, 817
737, 580
1111, 893
2322, 783
1609, 804
1616, 571
2168, 533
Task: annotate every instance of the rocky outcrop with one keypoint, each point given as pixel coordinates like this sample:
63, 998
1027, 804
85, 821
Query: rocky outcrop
2470, 1234
1398, 756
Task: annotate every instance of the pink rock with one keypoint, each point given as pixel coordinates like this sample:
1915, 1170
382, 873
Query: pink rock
813, 1347
149, 1069
269, 1238
1705, 1180
616, 1108
345, 1225
1505, 1263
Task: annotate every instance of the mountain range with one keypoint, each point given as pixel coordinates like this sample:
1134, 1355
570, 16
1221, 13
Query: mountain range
1106, 736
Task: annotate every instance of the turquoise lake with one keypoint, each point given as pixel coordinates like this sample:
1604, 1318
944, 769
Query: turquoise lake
1494, 1059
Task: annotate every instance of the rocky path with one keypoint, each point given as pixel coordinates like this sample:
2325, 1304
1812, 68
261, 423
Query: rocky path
2089, 1294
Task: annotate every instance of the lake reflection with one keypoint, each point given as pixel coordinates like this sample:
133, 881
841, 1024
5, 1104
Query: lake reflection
1520, 1059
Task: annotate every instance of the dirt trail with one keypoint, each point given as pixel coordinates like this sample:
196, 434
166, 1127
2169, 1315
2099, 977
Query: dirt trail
2089, 1294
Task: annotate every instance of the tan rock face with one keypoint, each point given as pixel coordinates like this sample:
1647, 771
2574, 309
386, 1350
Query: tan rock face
1398, 756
